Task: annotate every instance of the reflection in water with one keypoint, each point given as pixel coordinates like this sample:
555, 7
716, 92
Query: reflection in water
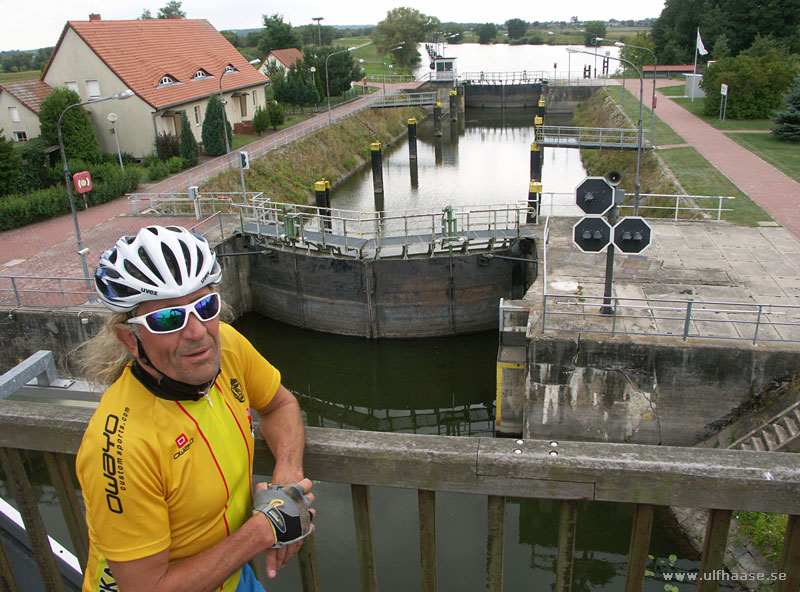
481, 159
431, 386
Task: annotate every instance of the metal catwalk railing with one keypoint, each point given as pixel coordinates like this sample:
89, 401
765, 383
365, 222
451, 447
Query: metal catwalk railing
589, 137
646, 476
406, 100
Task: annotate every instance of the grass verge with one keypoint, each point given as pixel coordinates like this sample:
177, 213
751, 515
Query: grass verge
287, 174
784, 156
765, 531
697, 108
700, 177
662, 133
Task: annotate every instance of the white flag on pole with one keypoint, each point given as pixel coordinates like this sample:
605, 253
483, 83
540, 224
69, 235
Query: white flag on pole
700, 47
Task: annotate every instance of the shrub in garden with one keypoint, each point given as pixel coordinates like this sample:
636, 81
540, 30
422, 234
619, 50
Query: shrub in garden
167, 146
189, 149
788, 120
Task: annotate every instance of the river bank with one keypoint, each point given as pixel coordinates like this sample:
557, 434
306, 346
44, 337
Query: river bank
288, 174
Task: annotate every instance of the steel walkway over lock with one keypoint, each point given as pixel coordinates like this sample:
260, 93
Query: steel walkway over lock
589, 137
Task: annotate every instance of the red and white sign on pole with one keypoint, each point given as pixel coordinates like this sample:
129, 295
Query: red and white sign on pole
82, 182
83, 185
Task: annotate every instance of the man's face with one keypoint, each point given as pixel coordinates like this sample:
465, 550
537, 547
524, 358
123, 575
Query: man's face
191, 355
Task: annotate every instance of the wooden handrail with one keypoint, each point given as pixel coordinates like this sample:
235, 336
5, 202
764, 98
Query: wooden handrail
721, 480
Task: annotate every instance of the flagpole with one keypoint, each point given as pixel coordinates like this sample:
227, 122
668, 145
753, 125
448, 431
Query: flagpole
694, 72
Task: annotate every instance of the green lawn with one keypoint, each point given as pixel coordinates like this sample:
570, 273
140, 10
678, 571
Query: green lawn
663, 134
699, 177
697, 108
784, 156
19, 76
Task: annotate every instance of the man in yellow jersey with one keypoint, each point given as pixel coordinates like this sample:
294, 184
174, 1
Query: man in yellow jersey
166, 462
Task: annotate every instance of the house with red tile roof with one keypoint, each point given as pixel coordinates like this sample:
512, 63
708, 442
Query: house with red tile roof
19, 108
171, 65
284, 58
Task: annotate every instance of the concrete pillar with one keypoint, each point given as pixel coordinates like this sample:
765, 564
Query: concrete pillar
377, 174
534, 202
412, 139
536, 162
437, 120
453, 105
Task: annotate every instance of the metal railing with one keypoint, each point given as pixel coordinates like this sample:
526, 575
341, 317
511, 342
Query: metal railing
645, 476
588, 137
391, 78
685, 208
520, 77
63, 292
406, 100
370, 232
755, 322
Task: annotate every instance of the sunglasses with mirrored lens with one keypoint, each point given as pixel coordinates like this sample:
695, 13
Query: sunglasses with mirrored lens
174, 318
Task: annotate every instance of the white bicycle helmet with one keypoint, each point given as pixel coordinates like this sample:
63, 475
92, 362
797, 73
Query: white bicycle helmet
158, 263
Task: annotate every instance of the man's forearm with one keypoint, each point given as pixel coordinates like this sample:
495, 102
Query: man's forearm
205, 571
282, 428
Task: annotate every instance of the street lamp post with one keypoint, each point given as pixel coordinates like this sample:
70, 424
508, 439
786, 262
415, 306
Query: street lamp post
313, 69
398, 46
595, 39
228, 70
327, 84
655, 71
125, 94
641, 112
319, 27
112, 117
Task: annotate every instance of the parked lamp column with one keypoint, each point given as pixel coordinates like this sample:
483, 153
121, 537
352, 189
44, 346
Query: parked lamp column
655, 72
641, 112
327, 82
112, 117
398, 46
228, 70
125, 94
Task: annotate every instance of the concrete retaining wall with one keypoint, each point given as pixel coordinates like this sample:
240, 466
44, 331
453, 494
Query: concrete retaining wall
418, 297
564, 99
502, 96
647, 391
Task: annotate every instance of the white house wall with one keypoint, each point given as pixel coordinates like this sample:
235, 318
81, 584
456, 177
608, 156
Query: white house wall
28, 120
76, 62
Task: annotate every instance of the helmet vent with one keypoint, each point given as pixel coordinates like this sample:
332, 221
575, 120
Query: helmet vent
200, 262
148, 263
172, 264
137, 273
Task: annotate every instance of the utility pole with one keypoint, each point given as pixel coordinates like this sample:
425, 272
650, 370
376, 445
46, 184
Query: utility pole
319, 27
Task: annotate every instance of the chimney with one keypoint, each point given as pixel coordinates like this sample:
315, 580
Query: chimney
94, 17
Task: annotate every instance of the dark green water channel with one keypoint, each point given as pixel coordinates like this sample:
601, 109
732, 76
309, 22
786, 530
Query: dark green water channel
439, 386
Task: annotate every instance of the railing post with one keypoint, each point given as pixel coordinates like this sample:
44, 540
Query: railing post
364, 540
640, 542
16, 293
614, 319
719, 209
790, 556
714, 545
688, 320
677, 205
307, 560
567, 524
495, 543
427, 539
758, 324
73, 516
14, 471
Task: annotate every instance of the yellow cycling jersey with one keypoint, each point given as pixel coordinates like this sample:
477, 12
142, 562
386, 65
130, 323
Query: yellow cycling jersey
158, 474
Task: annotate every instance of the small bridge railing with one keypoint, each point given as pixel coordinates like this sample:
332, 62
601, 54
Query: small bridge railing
391, 78
645, 476
406, 100
365, 233
521, 77
588, 137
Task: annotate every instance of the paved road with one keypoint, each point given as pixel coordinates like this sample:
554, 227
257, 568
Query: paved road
48, 248
773, 190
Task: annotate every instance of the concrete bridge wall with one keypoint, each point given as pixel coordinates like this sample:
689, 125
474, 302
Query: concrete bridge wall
419, 297
646, 391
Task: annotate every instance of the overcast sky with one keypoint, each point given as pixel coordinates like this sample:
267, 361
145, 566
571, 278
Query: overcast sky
38, 23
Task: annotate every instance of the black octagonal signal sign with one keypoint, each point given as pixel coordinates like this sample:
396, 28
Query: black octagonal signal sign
594, 195
592, 234
632, 234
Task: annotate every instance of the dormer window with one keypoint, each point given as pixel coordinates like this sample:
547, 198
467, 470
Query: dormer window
200, 74
230, 68
166, 80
